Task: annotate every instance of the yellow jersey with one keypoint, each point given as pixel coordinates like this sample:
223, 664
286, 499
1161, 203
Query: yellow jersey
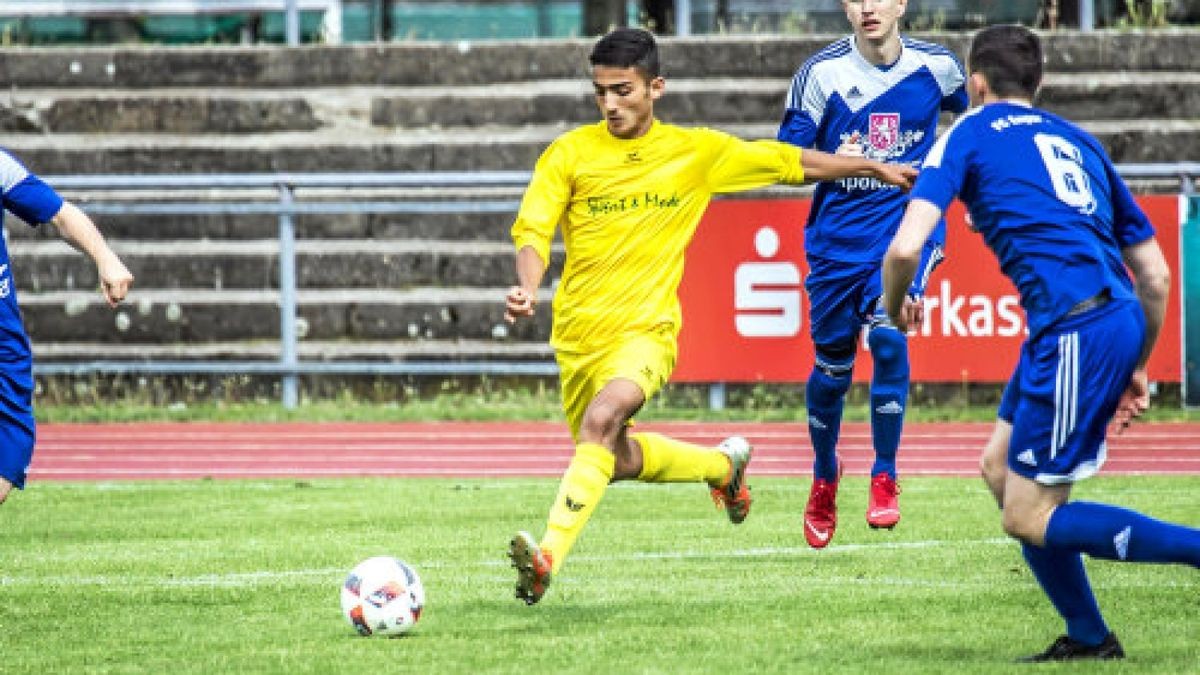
628, 209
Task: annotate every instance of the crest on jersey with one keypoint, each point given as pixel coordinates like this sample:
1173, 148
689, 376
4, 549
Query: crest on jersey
884, 130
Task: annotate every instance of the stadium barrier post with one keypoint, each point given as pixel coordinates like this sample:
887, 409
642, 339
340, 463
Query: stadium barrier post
683, 18
289, 389
716, 396
1087, 15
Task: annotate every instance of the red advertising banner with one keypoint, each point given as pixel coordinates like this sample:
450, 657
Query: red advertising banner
745, 313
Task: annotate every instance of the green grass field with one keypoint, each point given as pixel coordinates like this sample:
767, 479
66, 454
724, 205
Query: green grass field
243, 576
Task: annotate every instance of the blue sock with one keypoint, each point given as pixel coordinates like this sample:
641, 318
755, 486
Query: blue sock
889, 395
1114, 533
1064, 580
825, 397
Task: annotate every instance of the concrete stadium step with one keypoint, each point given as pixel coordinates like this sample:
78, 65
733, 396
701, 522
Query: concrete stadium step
217, 265
169, 316
1101, 95
352, 110
319, 151
1145, 96
484, 62
172, 111
223, 226
692, 101
307, 350
1138, 140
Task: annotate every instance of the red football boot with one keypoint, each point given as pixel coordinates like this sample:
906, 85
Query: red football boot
820, 515
883, 509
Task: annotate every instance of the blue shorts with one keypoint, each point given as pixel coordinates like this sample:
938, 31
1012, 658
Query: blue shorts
844, 297
16, 425
1065, 390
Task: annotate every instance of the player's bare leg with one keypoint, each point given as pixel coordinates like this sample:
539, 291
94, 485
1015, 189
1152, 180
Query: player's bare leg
5, 487
993, 462
606, 423
603, 453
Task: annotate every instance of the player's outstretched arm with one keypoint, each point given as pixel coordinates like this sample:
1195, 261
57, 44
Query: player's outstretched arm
819, 166
904, 255
521, 299
79, 231
1152, 279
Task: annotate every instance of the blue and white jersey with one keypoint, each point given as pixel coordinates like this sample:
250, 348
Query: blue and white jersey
895, 111
25, 195
1047, 201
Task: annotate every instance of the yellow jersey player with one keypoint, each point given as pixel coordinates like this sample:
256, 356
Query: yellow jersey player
628, 193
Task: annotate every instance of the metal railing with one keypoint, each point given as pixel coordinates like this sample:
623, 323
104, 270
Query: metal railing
286, 207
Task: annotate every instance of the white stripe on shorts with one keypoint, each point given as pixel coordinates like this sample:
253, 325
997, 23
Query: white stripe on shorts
1066, 390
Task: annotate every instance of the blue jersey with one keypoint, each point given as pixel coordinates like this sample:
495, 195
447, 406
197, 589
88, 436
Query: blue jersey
895, 111
25, 195
1047, 201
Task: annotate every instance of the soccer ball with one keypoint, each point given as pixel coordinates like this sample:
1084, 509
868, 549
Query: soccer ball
382, 596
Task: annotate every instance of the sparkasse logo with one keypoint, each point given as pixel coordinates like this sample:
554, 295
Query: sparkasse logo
951, 315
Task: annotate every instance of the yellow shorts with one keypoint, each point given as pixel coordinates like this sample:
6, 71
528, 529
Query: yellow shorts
646, 359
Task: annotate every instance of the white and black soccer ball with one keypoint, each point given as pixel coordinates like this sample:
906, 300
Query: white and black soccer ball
383, 596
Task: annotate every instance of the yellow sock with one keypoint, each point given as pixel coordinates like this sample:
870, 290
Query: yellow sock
581, 488
666, 460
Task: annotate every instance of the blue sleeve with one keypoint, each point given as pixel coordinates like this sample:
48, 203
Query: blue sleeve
32, 200
797, 128
945, 168
804, 109
958, 101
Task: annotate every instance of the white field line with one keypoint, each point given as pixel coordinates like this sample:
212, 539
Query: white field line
331, 575
233, 579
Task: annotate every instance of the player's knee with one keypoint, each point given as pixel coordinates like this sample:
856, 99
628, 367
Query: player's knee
601, 423
992, 468
1027, 525
994, 480
889, 348
836, 364
825, 389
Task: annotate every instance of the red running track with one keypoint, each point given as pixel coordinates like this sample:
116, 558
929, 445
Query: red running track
200, 450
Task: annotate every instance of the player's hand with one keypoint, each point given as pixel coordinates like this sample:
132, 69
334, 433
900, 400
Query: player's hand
518, 303
913, 311
851, 147
900, 175
1134, 401
115, 279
